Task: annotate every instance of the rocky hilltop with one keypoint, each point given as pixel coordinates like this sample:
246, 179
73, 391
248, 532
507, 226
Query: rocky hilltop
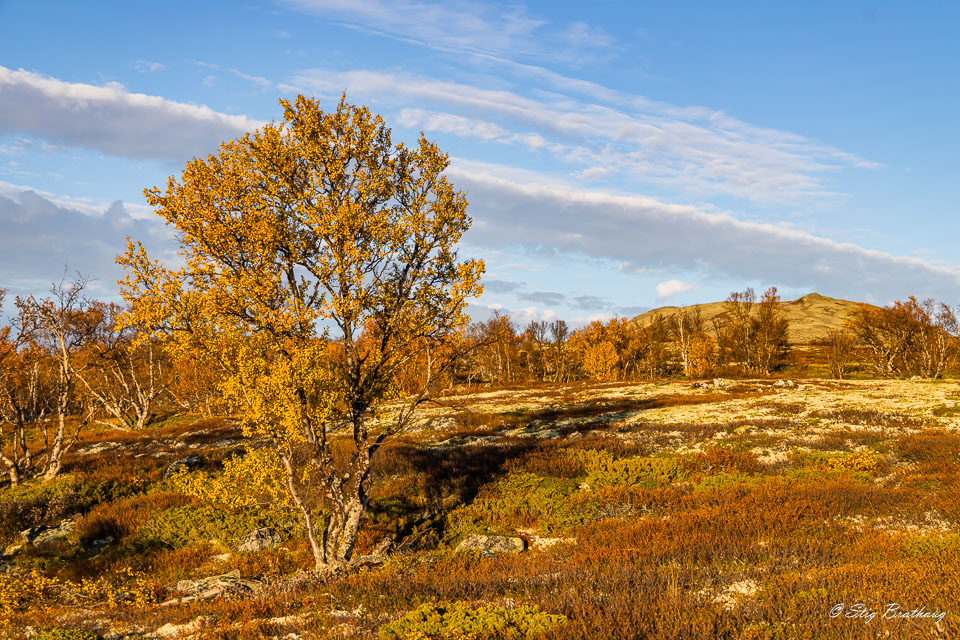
811, 317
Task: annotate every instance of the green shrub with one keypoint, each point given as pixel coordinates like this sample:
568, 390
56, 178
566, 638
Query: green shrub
603, 470
727, 479
457, 621
943, 411
861, 465
932, 545
183, 526
522, 500
35, 503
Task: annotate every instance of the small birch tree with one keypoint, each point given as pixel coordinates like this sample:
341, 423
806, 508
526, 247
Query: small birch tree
319, 257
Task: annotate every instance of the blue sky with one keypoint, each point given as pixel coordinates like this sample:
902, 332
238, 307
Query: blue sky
618, 156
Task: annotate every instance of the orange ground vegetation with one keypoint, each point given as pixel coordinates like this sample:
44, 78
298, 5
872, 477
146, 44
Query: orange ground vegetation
650, 511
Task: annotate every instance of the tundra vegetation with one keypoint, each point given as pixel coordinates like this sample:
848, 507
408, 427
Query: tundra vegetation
310, 377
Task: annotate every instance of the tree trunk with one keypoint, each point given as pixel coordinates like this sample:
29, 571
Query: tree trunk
12, 469
54, 462
318, 555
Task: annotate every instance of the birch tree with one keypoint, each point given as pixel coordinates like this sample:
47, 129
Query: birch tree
318, 258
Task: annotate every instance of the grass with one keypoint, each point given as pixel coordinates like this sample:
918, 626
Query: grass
652, 511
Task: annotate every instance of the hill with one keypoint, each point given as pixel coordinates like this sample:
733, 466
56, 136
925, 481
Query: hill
811, 317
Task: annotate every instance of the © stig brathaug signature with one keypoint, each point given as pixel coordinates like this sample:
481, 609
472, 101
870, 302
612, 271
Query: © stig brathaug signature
892, 611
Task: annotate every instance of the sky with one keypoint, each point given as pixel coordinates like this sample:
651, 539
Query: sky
617, 156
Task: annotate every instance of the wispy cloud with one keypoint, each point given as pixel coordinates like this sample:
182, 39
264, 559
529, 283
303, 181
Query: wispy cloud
451, 123
646, 235
143, 66
109, 118
701, 151
503, 30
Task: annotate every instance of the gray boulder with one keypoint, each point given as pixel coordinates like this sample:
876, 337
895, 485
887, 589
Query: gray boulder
184, 464
785, 384
259, 539
491, 545
700, 384
722, 383
48, 537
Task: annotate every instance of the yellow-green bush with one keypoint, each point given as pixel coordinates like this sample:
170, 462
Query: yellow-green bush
932, 545
862, 464
252, 479
184, 526
727, 479
522, 500
458, 621
22, 593
603, 470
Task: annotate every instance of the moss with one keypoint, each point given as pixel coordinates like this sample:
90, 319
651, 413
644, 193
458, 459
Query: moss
458, 621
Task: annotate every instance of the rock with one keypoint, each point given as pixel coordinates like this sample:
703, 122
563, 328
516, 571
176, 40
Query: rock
700, 384
212, 587
226, 442
722, 383
490, 545
171, 630
184, 464
97, 447
259, 539
12, 550
45, 537
99, 545
785, 384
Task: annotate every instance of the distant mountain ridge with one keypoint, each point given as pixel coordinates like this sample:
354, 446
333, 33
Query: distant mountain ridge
812, 317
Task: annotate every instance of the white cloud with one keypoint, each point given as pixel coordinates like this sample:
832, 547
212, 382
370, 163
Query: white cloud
40, 237
110, 119
450, 123
484, 29
702, 151
259, 81
671, 288
646, 235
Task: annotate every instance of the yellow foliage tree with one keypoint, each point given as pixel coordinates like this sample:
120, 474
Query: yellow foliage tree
319, 257
701, 357
600, 361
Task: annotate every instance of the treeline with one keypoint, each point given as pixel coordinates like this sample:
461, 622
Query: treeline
67, 361
750, 339
905, 339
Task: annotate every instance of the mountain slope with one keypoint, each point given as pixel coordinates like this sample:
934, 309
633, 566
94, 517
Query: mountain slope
811, 317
